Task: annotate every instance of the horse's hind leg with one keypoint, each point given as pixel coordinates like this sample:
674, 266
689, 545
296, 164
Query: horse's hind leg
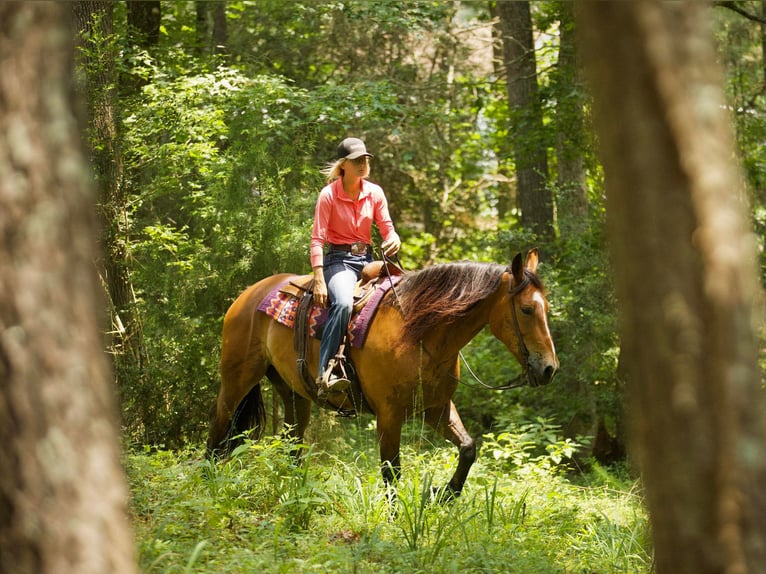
446, 421
239, 406
297, 408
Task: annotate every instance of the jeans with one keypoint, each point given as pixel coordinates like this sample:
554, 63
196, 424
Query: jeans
341, 272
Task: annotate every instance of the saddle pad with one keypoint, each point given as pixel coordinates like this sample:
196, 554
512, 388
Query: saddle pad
282, 307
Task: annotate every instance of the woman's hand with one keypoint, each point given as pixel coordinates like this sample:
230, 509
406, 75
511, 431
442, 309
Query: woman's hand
391, 247
320, 287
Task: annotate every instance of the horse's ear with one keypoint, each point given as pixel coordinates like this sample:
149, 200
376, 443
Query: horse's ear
532, 260
517, 269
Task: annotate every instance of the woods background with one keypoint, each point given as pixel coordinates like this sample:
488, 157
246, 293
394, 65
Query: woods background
208, 122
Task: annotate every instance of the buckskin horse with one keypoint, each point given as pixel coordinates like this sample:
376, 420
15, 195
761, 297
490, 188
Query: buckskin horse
409, 363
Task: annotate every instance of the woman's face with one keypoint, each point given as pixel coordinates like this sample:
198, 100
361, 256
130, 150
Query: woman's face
360, 167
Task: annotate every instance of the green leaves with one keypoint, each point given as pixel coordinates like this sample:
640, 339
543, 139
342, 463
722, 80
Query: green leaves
537, 444
260, 510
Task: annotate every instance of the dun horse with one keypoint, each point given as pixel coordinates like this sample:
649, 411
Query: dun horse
409, 362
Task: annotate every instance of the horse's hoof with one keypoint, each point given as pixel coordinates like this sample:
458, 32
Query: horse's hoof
444, 494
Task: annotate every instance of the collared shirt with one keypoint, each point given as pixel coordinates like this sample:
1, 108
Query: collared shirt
340, 219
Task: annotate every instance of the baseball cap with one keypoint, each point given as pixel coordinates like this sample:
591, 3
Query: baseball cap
352, 148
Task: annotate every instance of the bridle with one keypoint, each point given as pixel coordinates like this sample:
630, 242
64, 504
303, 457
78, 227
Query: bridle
512, 292
523, 378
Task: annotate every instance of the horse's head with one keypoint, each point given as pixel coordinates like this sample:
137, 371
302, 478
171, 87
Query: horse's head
520, 320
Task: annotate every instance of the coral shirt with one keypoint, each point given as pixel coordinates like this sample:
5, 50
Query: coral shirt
339, 219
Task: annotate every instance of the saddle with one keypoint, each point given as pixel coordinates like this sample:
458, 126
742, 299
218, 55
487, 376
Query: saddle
372, 274
302, 287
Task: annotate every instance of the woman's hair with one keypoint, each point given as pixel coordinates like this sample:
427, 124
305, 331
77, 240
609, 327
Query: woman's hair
333, 170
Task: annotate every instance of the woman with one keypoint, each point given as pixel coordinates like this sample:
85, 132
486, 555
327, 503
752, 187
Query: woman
345, 210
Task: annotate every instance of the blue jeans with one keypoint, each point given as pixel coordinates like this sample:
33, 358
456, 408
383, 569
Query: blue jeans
341, 272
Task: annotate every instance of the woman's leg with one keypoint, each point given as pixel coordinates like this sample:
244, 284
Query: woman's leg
340, 288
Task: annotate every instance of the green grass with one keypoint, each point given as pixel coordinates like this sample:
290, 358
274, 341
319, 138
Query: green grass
260, 512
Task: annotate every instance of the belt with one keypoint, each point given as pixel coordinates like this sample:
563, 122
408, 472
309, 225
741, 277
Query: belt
358, 248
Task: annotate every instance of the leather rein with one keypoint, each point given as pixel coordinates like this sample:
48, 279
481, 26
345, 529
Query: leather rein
523, 378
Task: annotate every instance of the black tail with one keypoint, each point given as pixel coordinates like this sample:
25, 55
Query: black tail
250, 415
248, 419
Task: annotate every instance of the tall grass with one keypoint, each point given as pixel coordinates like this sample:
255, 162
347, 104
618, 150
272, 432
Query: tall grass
261, 512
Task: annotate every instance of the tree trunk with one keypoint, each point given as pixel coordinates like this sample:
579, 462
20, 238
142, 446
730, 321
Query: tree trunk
686, 278
507, 192
220, 28
211, 27
572, 199
93, 19
530, 154
62, 492
144, 18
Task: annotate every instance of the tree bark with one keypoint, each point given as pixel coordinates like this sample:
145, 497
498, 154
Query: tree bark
220, 28
94, 30
211, 27
530, 153
572, 199
144, 19
62, 492
686, 278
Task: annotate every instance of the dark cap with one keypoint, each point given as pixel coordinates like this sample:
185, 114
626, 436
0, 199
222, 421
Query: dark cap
352, 148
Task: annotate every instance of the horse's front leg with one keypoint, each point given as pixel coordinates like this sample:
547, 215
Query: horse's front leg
446, 420
297, 408
389, 430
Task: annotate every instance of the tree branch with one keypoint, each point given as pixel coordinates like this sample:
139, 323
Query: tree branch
741, 11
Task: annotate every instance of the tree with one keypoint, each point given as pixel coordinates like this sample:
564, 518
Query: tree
94, 35
530, 153
572, 199
62, 492
217, 40
686, 279
144, 22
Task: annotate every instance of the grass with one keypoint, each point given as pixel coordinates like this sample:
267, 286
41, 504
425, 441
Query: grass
260, 512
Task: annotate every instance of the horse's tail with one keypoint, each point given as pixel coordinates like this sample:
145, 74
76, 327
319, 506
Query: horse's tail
249, 420
250, 416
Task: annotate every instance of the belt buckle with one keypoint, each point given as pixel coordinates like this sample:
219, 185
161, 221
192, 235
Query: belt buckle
359, 248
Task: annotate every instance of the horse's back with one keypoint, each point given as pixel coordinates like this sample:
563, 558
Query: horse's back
242, 320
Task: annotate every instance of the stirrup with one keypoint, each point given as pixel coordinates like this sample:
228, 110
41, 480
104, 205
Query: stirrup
331, 383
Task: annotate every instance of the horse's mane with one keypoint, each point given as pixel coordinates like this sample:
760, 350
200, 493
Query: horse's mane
443, 294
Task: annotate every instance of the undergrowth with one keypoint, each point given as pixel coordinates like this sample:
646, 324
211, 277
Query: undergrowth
258, 511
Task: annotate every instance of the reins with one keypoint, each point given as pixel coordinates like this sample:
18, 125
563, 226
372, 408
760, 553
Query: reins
398, 263
515, 383
522, 378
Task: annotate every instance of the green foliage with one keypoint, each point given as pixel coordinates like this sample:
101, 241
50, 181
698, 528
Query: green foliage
533, 446
221, 156
250, 512
228, 182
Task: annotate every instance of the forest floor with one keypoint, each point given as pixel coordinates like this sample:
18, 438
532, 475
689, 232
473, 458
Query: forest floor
522, 511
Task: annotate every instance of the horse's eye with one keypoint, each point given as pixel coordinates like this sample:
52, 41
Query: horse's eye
528, 310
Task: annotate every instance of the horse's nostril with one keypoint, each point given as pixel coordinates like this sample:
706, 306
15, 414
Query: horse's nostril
549, 372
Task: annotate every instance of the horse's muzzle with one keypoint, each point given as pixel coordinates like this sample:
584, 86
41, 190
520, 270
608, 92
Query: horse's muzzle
539, 377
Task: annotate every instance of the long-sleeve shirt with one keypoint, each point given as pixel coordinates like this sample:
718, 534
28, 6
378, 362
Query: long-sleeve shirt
341, 220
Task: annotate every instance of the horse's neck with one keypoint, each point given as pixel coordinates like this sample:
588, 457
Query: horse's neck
447, 340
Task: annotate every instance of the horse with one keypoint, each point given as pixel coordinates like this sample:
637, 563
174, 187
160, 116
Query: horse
409, 363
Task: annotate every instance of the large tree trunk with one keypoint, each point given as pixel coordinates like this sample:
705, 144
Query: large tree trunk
93, 19
530, 154
62, 492
572, 198
686, 279
144, 18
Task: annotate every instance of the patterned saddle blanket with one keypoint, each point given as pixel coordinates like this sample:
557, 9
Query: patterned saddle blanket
282, 306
